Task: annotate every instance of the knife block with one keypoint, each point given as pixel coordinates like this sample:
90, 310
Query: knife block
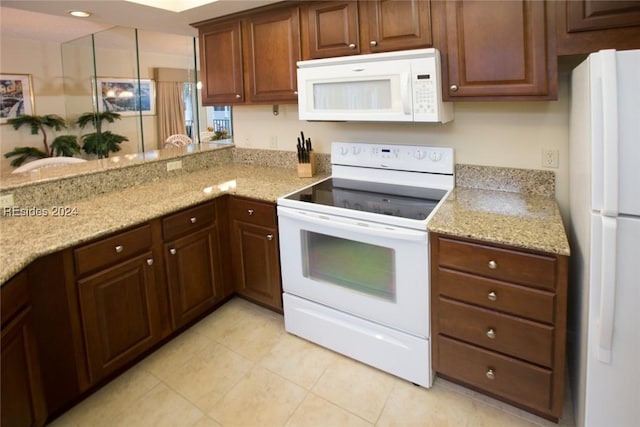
306, 170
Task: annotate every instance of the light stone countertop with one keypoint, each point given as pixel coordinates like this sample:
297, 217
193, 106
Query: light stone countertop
26, 238
516, 219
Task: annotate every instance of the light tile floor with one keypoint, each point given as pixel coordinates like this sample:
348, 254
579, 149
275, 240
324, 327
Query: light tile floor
238, 367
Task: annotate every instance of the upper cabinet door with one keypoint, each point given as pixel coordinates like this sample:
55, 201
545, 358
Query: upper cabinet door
221, 63
586, 15
397, 24
497, 49
585, 26
332, 29
272, 49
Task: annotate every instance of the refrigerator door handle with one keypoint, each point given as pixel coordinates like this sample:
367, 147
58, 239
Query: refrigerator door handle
610, 136
607, 289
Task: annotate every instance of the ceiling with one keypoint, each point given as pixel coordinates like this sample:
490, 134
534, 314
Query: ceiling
49, 20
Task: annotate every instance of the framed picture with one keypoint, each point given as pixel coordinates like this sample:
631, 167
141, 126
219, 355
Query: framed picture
126, 97
16, 96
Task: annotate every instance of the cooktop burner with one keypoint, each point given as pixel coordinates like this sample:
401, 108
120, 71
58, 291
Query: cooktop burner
379, 198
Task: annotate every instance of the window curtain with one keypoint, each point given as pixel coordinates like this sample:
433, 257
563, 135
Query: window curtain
170, 83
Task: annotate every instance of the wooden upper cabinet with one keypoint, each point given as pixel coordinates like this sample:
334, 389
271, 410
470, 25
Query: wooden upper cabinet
496, 50
397, 24
585, 26
332, 29
341, 28
272, 49
221, 63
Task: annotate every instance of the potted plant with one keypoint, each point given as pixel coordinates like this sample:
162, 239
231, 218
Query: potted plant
64, 145
99, 142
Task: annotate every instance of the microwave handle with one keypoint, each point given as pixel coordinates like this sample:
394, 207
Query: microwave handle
405, 90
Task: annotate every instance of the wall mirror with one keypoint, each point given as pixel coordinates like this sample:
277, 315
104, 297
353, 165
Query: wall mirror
149, 78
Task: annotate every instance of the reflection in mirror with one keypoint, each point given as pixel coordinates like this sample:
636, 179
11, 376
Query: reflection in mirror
101, 71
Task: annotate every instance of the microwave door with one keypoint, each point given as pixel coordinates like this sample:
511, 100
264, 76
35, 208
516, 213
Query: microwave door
359, 92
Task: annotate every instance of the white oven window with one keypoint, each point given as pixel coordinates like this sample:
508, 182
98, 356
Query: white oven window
358, 95
359, 266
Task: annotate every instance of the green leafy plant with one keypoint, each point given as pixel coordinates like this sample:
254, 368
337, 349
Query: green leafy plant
61, 146
99, 142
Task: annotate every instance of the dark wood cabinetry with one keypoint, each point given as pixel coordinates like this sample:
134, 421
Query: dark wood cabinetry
499, 321
192, 262
254, 247
496, 50
585, 26
22, 397
252, 58
118, 302
221, 63
341, 28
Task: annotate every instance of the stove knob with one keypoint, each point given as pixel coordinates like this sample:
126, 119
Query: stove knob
435, 156
356, 150
344, 151
420, 154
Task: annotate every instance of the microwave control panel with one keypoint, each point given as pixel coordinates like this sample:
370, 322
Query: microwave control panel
425, 95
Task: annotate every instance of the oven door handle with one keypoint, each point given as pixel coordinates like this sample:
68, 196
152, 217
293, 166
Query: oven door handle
371, 229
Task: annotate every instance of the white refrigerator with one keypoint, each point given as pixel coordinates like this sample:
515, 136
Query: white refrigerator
604, 292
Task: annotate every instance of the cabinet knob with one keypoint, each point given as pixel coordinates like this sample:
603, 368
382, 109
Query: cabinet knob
193, 219
250, 211
295, 92
492, 296
492, 265
119, 249
269, 236
490, 374
491, 334
373, 43
172, 251
453, 88
150, 261
238, 96
352, 46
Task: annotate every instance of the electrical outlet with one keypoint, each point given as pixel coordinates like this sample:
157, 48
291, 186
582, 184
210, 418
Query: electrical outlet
274, 142
6, 201
550, 158
171, 166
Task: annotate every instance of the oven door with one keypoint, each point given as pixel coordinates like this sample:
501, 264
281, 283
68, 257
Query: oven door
373, 271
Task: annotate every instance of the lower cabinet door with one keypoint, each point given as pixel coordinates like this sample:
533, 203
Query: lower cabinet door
22, 400
193, 275
256, 266
119, 313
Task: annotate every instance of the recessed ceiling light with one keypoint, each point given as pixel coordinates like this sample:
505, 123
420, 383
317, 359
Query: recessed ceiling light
79, 13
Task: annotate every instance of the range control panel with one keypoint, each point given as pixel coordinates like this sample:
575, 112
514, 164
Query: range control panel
414, 158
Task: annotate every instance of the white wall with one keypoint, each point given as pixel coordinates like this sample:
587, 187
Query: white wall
509, 134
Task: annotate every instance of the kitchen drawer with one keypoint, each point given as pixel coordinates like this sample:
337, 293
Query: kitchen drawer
518, 300
253, 211
503, 376
497, 263
511, 335
188, 220
112, 250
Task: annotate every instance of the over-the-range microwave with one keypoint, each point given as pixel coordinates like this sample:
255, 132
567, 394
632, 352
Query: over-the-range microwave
399, 86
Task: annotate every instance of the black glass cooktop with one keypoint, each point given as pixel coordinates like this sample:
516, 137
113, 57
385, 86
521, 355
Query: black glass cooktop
386, 199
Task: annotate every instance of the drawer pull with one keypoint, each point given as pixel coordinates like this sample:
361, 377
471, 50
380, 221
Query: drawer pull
491, 334
269, 236
150, 261
492, 296
490, 374
119, 249
492, 265
193, 219
250, 211
172, 251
